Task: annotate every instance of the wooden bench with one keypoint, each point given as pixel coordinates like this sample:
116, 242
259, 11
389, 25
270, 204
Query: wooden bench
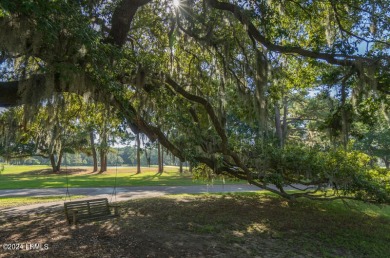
94, 209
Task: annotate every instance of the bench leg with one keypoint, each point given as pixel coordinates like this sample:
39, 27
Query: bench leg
74, 217
116, 211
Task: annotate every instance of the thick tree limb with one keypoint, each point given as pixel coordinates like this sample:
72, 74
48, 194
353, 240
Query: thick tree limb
217, 124
138, 124
121, 20
9, 94
209, 109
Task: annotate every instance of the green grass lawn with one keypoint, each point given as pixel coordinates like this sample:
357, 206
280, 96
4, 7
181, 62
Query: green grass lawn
22, 201
18, 177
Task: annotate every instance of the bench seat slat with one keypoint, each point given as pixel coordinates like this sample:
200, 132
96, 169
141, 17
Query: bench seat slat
88, 210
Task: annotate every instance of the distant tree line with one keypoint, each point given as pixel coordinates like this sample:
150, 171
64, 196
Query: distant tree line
123, 156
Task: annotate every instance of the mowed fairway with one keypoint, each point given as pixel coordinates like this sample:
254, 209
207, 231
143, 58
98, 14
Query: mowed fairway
19, 177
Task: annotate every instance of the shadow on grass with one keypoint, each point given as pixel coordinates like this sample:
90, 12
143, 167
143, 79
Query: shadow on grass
157, 175
204, 226
64, 171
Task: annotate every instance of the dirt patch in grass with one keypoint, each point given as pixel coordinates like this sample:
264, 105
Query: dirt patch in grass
206, 226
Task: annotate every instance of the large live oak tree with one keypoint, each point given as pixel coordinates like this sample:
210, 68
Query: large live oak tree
196, 77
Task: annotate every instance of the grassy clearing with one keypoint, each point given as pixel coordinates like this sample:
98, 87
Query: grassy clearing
14, 169
17, 177
6, 202
226, 225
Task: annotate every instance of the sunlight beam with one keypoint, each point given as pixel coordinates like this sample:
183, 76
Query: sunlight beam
176, 3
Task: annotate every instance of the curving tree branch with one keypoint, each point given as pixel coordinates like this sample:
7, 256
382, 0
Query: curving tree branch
209, 109
9, 96
335, 59
121, 19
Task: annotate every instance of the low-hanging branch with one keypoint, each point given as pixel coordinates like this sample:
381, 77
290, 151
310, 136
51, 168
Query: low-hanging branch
209, 109
121, 20
9, 96
217, 125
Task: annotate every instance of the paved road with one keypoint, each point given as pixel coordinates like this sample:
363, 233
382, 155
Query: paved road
140, 190
122, 194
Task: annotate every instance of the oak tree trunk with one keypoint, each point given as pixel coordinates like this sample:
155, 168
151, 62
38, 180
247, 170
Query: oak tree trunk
93, 149
278, 126
53, 163
59, 160
56, 163
284, 125
138, 154
160, 158
103, 161
387, 162
103, 154
344, 116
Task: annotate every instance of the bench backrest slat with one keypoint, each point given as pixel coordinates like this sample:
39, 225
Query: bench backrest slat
87, 208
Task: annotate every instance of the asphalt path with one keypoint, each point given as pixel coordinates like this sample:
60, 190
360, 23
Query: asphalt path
129, 191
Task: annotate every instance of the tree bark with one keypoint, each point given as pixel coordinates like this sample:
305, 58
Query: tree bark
93, 149
344, 115
59, 160
160, 158
103, 161
121, 20
284, 126
53, 163
278, 126
56, 163
103, 153
387, 162
9, 95
261, 89
138, 154
147, 156
181, 167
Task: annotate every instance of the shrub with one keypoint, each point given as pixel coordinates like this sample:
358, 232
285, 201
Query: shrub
348, 173
32, 161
